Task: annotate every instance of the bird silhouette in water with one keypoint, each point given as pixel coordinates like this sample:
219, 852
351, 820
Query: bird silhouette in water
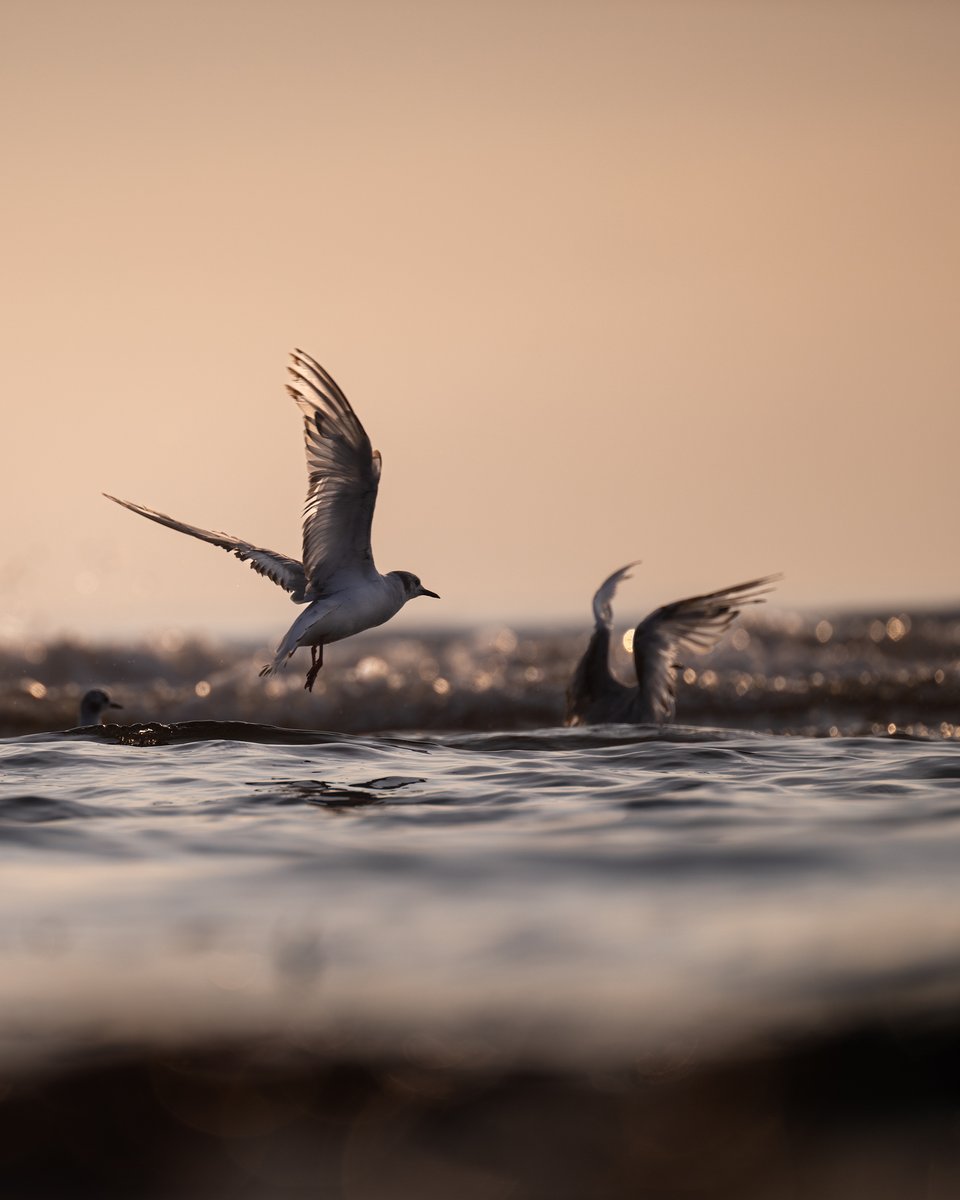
93, 706
337, 579
596, 697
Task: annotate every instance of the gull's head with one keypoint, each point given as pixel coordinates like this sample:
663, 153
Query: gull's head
412, 586
93, 705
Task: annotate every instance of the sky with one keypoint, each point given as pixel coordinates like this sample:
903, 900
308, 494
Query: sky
605, 281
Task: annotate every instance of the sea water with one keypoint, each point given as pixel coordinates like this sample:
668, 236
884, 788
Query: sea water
415, 895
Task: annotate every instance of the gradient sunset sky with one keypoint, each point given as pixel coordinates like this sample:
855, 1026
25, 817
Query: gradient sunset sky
674, 281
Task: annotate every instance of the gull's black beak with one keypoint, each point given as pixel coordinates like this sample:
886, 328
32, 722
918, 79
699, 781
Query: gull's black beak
423, 592
113, 704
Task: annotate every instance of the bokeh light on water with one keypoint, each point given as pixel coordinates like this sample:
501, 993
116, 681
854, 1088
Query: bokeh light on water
779, 671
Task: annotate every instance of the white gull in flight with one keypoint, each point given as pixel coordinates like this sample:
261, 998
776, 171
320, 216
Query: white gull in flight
595, 696
337, 580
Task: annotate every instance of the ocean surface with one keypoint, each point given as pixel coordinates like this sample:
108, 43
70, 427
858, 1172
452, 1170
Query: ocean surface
410, 937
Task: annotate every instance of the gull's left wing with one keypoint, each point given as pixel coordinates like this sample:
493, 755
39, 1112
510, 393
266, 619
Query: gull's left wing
286, 572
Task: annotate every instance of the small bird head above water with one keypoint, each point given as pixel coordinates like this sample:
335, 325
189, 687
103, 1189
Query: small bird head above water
93, 705
412, 586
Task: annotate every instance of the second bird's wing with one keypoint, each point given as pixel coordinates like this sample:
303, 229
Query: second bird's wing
603, 596
286, 572
696, 623
594, 694
343, 474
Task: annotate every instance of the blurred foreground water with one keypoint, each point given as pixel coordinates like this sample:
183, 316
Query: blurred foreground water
430, 944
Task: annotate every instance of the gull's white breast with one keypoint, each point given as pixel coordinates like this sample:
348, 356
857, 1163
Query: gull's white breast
348, 611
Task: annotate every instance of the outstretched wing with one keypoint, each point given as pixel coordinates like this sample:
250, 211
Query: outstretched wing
603, 596
697, 624
343, 474
594, 694
286, 572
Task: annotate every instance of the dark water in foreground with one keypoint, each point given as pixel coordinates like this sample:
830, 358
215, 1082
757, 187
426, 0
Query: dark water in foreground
243, 960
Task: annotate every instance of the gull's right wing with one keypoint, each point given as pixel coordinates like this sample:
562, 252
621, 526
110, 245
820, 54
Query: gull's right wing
286, 572
697, 624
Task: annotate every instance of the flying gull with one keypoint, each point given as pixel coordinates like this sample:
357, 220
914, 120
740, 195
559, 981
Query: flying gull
595, 696
337, 580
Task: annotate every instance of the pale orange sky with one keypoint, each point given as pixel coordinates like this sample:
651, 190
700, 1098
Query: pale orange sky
675, 281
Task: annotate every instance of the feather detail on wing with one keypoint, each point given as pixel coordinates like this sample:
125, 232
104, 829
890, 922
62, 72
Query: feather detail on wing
697, 624
343, 477
286, 572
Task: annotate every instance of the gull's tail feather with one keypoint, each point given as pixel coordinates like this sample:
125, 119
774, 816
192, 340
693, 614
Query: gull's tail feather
280, 663
285, 651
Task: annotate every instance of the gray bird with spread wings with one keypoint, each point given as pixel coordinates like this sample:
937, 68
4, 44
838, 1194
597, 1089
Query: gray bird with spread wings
595, 696
337, 580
